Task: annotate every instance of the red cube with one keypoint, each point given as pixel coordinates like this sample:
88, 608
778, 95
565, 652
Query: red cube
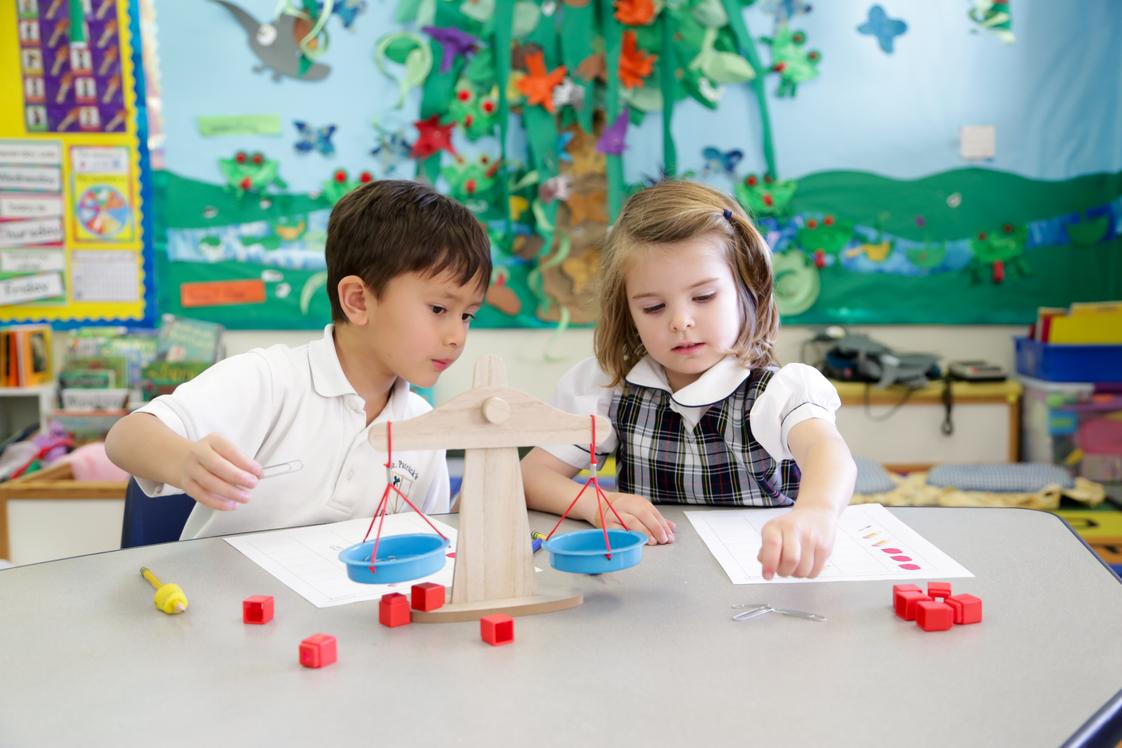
966, 608
428, 596
318, 650
497, 629
898, 589
906, 603
934, 616
936, 590
393, 610
257, 609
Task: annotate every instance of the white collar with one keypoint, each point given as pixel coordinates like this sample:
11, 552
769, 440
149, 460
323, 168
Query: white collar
715, 385
328, 378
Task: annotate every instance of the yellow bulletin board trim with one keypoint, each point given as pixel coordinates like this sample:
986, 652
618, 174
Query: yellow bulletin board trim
99, 269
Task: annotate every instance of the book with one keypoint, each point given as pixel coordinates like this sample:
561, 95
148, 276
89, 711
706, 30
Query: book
1043, 327
34, 355
182, 339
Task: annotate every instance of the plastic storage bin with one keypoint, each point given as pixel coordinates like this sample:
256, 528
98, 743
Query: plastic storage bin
1069, 363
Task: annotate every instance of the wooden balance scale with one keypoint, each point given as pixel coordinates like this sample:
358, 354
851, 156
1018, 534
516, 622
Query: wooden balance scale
494, 569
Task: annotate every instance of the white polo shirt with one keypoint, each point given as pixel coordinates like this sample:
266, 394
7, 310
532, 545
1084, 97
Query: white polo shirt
796, 392
280, 404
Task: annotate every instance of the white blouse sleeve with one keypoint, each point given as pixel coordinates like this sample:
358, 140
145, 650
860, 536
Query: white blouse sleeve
583, 391
795, 393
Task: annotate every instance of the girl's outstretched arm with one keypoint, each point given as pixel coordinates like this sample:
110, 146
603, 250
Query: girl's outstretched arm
550, 488
798, 543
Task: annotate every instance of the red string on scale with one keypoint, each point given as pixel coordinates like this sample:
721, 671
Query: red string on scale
594, 481
380, 512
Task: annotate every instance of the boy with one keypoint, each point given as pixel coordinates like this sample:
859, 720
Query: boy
407, 269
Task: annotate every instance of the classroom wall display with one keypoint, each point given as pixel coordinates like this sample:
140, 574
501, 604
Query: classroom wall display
72, 165
908, 162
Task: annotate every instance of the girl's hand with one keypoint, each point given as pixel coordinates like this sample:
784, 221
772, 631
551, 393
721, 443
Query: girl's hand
639, 514
798, 543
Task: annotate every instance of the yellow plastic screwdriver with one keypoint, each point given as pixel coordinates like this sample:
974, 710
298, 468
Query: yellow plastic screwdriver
169, 597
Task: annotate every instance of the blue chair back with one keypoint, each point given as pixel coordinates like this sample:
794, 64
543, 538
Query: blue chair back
149, 520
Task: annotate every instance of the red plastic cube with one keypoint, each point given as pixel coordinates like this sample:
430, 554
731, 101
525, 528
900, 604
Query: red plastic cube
318, 650
898, 589
428, 596
257, 609
393, 610
497, 629
906, 603
967, 608
937, 590
934, 616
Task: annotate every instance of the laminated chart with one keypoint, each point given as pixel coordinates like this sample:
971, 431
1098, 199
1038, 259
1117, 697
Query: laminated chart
72, 159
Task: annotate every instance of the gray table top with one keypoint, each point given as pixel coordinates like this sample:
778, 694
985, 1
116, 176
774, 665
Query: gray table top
651, 657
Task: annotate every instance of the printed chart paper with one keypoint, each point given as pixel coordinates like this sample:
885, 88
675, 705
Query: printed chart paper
306, 559
872, 545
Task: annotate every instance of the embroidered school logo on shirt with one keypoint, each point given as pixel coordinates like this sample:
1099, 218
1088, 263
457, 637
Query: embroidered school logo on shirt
402, 476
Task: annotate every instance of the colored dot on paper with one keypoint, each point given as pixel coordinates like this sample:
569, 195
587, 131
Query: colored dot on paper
901, 558
891, 550
909, 567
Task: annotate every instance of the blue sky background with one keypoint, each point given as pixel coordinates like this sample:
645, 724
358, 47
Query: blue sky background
1055, 96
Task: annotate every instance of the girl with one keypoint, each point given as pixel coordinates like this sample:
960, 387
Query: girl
685, 371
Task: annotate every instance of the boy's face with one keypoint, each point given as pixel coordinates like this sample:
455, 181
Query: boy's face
683, 300
419, 325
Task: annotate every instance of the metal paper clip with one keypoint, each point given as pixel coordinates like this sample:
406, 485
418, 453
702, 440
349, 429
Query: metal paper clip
755, 611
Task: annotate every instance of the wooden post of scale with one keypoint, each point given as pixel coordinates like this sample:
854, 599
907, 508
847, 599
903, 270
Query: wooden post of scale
494, 569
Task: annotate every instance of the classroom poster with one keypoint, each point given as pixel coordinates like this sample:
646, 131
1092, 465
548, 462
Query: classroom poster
72, 164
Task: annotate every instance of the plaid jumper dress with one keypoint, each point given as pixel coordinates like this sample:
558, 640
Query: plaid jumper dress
717, 463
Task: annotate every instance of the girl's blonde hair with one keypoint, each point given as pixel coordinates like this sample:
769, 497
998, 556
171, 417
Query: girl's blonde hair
672, 212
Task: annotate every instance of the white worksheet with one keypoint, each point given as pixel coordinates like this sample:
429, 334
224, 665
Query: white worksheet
307, 558
872, 544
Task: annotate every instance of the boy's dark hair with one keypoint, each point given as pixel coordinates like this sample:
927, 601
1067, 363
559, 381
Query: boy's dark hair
389, 227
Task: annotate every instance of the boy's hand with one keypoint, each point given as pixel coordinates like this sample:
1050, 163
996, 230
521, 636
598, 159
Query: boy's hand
640, 515
216, 474
798, 543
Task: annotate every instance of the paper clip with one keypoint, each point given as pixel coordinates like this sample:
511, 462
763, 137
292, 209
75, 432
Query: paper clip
755, 611
281, 468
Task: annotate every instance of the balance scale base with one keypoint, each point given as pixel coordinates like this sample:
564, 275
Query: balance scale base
512, 606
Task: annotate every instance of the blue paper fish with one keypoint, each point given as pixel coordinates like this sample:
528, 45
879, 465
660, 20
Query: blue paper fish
717, 160
348, 10
885, 29
391, 149
314, 138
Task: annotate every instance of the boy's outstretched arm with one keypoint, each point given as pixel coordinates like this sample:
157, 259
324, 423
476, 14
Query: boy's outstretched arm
211, 470
798, 543
550, 488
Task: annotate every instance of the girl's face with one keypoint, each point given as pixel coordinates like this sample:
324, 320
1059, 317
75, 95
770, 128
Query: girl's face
683, 300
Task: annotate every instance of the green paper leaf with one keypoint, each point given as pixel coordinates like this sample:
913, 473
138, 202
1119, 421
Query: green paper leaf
526, 18
479, 10
417, 67
398, 50
710, 13
727, 67
481, 68
407, 11
643, 99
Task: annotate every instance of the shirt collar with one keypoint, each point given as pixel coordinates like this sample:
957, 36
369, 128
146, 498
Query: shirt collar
328, 378
715, 385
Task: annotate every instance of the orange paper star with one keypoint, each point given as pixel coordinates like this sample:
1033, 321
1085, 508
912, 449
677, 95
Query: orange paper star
634, 64
537, 85
635, 12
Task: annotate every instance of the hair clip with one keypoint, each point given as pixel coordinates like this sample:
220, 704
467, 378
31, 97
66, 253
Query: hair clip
727, 214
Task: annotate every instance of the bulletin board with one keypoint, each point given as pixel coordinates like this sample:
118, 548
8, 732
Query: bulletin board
931, 163
73, 224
